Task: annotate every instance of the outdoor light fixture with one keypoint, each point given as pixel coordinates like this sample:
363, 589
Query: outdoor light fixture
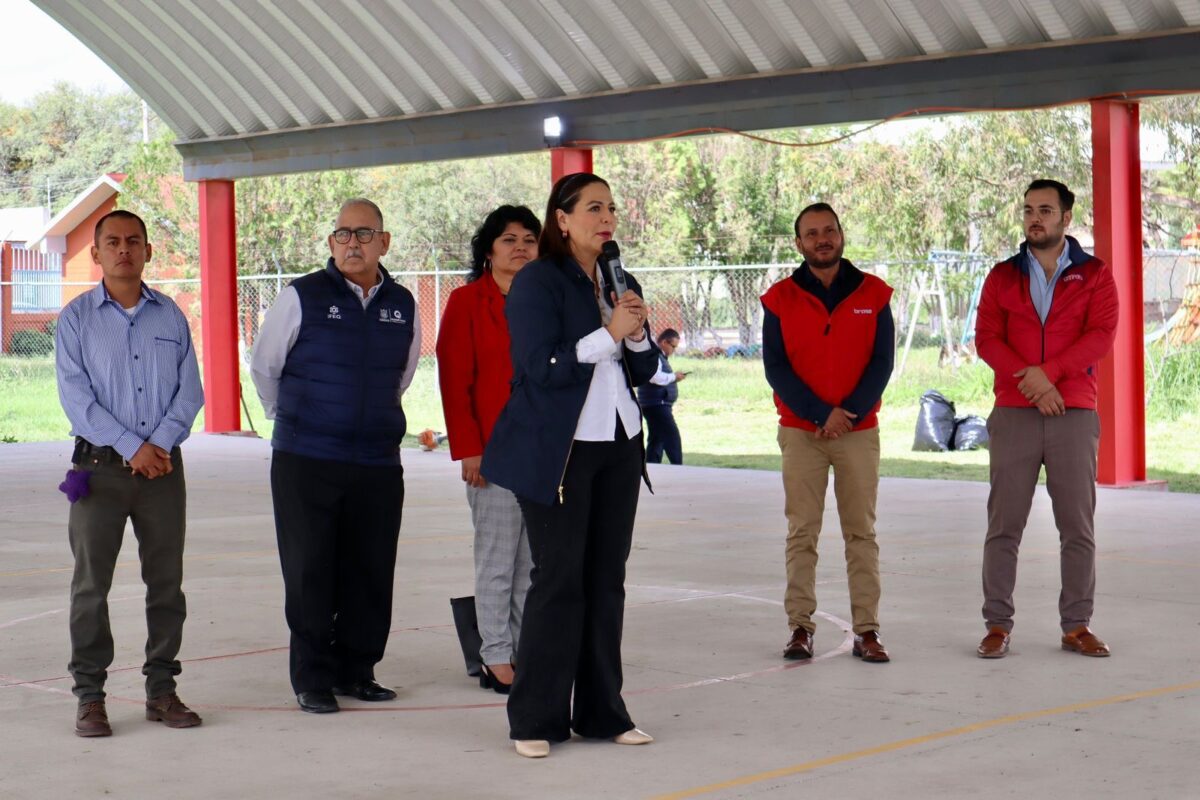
552, 131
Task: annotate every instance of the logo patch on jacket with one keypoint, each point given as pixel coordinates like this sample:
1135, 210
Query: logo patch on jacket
1074, 276
394, 316
864, 311
333, 313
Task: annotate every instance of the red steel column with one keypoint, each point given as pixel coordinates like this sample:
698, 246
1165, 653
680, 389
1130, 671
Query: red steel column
565, 160
1117, 193
218, 307
6, 297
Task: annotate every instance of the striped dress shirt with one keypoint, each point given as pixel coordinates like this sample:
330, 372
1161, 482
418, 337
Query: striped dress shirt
127, 377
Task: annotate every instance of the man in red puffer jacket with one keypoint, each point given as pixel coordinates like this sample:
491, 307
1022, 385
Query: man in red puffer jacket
1046, 317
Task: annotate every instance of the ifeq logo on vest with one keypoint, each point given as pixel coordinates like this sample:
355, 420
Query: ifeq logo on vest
334, 313
395, 316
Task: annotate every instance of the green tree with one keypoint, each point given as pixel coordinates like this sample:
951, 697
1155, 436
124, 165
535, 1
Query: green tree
282, 221
63, 140
434, 209
1171, 197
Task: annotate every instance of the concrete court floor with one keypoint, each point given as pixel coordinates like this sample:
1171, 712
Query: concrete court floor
703, 632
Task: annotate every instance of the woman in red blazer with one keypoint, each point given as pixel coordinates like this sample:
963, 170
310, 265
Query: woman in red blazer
474, 370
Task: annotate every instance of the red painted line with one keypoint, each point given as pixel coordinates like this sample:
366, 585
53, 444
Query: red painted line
841, 649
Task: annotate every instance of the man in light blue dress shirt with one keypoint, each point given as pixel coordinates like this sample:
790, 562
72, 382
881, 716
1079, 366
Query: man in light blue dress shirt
130, 386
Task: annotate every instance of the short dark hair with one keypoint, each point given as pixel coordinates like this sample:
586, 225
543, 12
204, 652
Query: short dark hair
362, 201
494, 225
120, 213
667, 335
810, 209
1066, 197
564, 195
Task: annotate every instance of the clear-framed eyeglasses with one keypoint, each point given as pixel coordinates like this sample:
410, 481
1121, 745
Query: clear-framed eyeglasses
364, 235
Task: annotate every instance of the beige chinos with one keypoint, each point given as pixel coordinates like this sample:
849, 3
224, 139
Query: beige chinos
807, 460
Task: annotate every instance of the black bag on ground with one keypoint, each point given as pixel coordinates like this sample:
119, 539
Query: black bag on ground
935, 423
467, 626
970, 433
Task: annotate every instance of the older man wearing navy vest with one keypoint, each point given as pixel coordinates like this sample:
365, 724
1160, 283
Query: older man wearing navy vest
828, 349
333, 357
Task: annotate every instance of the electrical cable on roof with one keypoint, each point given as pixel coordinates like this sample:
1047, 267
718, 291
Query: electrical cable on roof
912, 112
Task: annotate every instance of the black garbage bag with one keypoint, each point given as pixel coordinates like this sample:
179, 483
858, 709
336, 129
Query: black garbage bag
970, 433
935, 423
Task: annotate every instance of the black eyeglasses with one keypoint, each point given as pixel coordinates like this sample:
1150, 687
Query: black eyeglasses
364, 235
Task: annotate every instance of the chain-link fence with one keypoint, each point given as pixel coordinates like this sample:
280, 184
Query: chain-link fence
716, 309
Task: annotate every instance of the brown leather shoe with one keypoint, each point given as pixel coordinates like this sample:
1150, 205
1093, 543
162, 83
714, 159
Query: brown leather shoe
171, 711
800, 646
92, 720
869, 648
1084, 642
994, 645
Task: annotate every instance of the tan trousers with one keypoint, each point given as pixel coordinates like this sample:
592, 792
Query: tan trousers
854, 458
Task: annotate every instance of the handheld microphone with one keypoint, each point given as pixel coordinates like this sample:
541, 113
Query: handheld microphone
614, 270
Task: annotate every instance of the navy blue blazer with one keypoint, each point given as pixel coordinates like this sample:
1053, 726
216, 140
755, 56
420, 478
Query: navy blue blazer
550, 307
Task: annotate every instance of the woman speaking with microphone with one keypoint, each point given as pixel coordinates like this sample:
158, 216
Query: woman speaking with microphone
569, 446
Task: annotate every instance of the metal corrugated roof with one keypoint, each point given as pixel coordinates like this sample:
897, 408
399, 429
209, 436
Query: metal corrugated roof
225, 72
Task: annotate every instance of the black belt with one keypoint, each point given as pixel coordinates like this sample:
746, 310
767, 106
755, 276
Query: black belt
86, 451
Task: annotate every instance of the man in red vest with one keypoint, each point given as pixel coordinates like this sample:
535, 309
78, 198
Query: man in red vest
828, 350
1046, 317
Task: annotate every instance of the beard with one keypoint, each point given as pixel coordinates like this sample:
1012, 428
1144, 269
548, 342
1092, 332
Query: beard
1046, 238
826, 260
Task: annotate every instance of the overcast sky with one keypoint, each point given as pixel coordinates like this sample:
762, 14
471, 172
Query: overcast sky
37, 52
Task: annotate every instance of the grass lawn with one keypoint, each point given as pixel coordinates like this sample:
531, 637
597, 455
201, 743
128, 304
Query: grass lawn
725, 414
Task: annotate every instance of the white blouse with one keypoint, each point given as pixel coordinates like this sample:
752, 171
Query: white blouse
608, 391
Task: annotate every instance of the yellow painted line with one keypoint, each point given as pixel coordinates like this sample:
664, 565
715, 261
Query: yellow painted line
23, 573
890, 747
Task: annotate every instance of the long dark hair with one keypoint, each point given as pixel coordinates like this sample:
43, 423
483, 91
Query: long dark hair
564, 195
491, 229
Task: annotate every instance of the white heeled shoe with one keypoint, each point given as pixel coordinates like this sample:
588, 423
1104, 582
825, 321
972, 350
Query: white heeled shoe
634, 736
533, 748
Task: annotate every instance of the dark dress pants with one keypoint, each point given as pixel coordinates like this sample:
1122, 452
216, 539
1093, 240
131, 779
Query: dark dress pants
571, 636
337, 525
1022, 440
662, 435
158, 509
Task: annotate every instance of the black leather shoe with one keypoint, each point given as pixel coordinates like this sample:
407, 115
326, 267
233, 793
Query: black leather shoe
320, 701
367, 690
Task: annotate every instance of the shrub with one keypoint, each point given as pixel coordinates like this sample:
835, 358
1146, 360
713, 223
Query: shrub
32, 343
